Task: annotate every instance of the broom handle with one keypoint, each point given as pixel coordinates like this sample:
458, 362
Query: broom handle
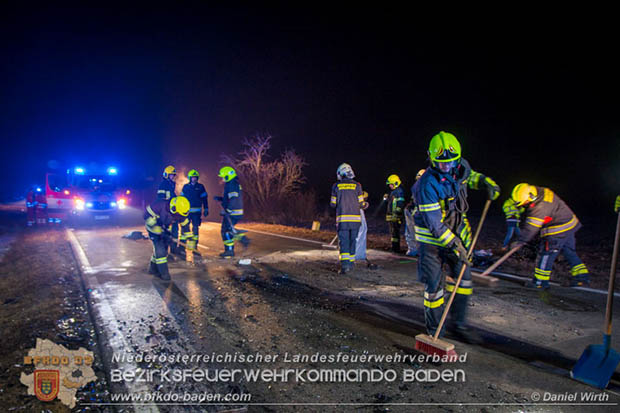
612, 280
500, 261
458, 280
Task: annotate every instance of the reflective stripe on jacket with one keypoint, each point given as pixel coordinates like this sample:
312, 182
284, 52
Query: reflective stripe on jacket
441, 201
550, 215
166, 189
347, 198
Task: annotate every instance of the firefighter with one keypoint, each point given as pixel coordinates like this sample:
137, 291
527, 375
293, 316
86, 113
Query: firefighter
31, 205
443, 231
547, 213
232, 211
41, 214
412, 245
159, 218
348, 199
513, 218
167, 191
197, 195
395, 206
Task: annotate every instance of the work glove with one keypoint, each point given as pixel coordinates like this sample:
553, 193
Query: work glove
492, 188
205, 213
365, 205
218, 198
460, 251
385, 197
617, 206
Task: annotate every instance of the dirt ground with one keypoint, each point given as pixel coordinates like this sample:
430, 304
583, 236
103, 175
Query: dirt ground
40, 297
594, 246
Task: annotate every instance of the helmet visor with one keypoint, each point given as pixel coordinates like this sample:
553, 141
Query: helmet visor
446, 167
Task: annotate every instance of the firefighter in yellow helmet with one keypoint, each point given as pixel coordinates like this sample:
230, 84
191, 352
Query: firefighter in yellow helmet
167, 191
547, 214
159, 218
197, 196
232, 211
395, 208
443, 231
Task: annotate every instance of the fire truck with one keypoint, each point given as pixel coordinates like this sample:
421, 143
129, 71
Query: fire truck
85, 193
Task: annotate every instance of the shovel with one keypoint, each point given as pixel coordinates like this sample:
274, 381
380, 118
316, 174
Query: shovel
598, 361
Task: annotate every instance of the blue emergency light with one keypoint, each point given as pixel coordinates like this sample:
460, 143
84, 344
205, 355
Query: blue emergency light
79, 171
112, 171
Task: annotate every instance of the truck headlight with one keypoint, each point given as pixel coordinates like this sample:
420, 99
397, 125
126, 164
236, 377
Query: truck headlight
122, 204
79, 204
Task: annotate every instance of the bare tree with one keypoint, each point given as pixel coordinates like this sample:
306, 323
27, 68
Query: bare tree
268, 184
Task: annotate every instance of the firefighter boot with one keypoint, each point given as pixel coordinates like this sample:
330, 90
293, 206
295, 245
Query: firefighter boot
163, 271
396, 247
153, 268
345, 267
245, 241
229, 252
459, 327
537, 284
582, 280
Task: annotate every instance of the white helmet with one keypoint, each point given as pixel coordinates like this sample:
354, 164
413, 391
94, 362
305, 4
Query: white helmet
345, 171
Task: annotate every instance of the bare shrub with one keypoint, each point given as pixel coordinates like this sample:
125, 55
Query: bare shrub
272, 188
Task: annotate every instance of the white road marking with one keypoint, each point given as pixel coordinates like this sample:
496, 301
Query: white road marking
116, 339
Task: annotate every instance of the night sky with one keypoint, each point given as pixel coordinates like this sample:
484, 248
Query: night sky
532, 96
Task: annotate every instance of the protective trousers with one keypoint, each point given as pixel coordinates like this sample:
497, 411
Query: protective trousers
346, 239
512, 229
229, 235
160, 252
395, 232
192, 240
549, 249
430, 262
360, 240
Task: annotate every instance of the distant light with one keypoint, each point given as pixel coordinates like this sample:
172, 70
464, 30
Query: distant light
93, 180
127, 192
38, 189
79, 171
100, 181
79, 204
113, 204
122, 203
112, 171
66, 192
89, 204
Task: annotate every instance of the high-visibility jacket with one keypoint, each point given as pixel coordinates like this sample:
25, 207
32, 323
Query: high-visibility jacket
347, 197
166, 189
549, 215
233, 198
512, 212
441, 199
158, 218
395, 205
197, 197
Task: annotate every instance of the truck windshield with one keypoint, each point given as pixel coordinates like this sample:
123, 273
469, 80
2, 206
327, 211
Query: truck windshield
95, 182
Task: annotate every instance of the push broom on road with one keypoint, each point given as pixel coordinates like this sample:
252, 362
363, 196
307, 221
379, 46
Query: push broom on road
432, 345
599, 361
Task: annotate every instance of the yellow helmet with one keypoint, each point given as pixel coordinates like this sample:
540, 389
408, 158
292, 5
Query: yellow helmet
193, 172
419, 174
169, 170
179, 205
227, 173
393, 180
523, 194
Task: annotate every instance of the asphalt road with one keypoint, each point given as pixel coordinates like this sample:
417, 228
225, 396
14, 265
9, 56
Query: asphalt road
290, 297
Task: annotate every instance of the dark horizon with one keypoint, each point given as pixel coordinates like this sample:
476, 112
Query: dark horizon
531, 102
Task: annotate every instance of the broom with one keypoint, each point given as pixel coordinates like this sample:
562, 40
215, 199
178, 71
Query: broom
432, 344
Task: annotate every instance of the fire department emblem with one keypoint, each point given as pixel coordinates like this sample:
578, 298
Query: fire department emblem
47, 384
